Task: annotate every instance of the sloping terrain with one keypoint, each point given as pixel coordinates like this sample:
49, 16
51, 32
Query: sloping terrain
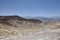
18, 28
12, 25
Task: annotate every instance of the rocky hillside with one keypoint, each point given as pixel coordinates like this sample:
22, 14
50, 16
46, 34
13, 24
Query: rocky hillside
8, 25
18, 28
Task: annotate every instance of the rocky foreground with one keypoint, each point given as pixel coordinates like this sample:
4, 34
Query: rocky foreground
18, 28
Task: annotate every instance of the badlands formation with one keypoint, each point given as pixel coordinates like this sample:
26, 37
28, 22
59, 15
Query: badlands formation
18, 28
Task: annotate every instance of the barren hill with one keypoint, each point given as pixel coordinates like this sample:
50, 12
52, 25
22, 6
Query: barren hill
11, 20
18, 28
17, 22
6, 18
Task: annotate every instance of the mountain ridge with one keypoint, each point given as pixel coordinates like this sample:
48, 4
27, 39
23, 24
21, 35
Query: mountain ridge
45, 19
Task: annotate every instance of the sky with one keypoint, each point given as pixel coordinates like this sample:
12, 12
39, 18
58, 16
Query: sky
34, 8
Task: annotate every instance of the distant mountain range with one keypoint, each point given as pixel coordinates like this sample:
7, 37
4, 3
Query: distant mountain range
45, 18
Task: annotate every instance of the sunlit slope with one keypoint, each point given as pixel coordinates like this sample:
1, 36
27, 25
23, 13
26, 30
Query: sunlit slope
15, 27
6, 30
24, 27
31, 29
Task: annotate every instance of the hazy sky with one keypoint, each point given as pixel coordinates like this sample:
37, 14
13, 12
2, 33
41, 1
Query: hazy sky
30, 7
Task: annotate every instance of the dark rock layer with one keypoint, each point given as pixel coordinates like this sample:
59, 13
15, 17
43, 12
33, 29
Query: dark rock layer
6, 18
